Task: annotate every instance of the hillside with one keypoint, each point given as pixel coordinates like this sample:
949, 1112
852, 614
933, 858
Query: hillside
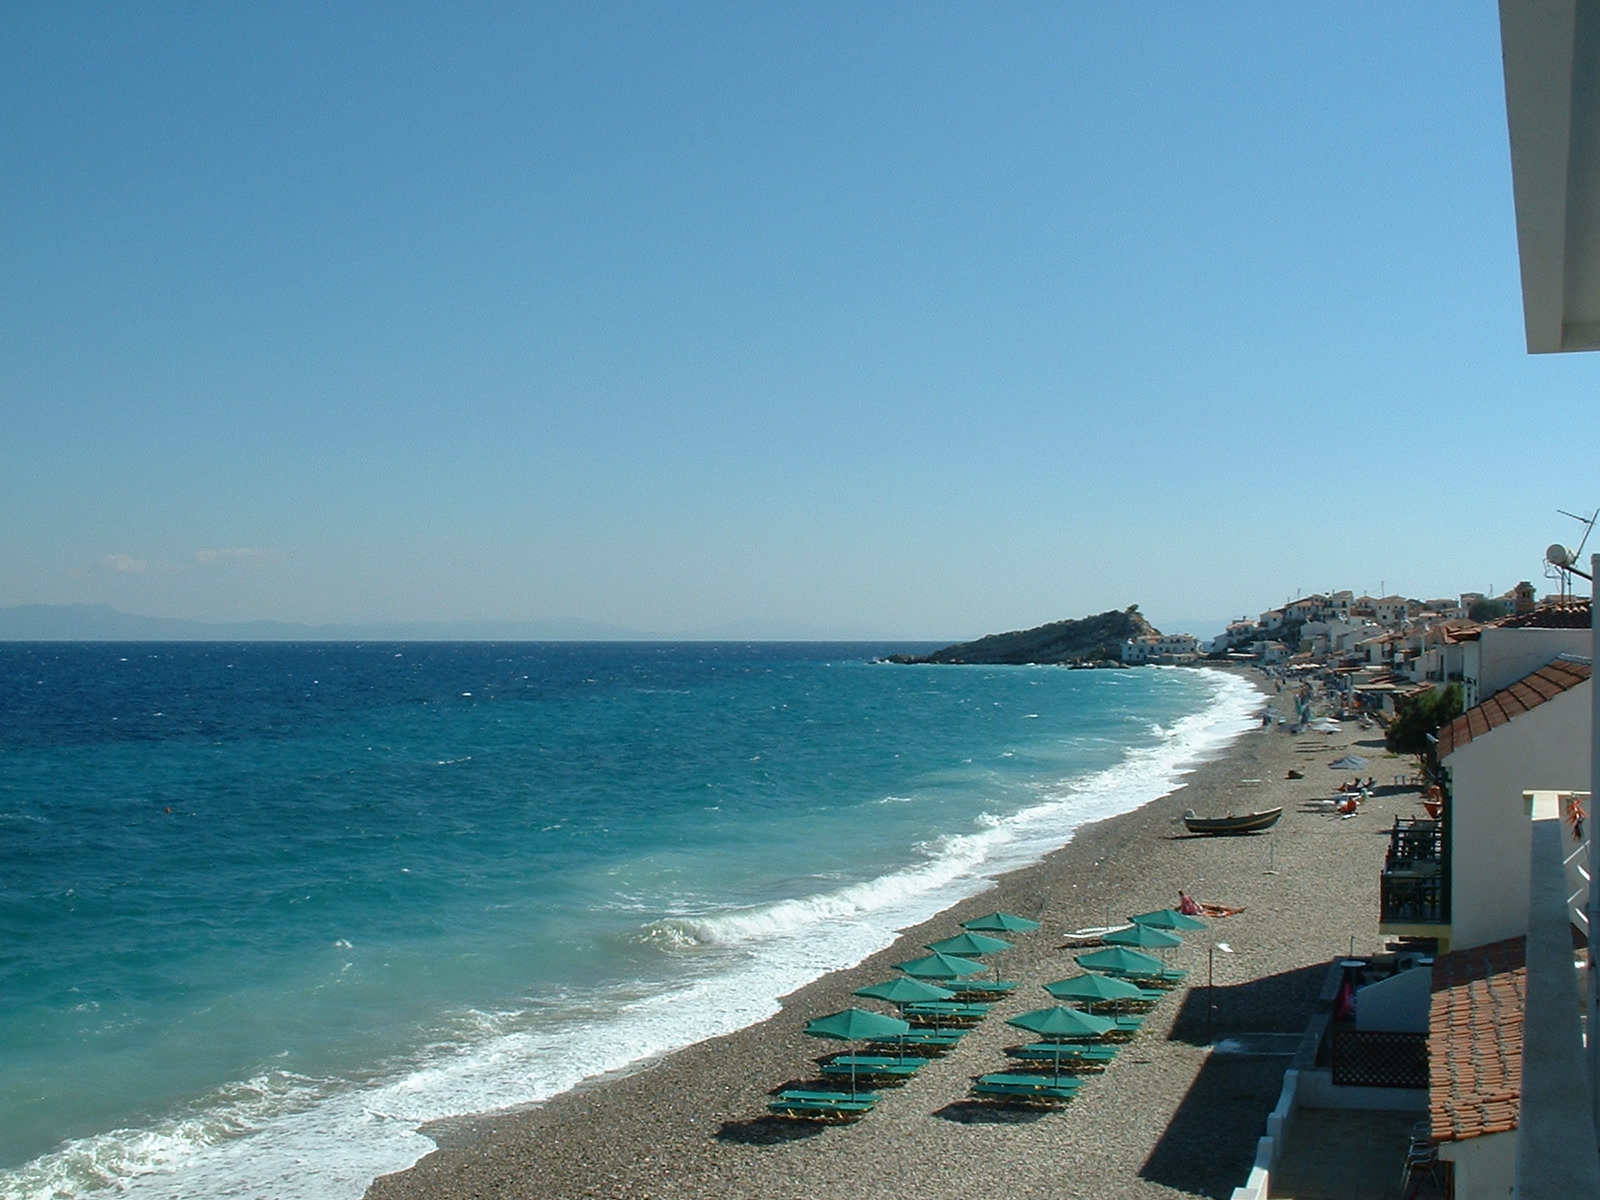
1089, 640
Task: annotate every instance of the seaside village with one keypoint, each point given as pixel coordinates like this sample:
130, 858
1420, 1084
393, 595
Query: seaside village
1476, 1016
1449, 1061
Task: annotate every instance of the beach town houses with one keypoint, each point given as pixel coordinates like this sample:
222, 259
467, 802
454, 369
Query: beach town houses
1464, 879
1393, 610
1306, 609
1167, 649
1495, 655
1136, 651
1552, 109
1271, 653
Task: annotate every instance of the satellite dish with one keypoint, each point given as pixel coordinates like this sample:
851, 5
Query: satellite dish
1558, 555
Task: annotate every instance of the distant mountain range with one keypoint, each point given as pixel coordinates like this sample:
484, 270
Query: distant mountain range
102, 623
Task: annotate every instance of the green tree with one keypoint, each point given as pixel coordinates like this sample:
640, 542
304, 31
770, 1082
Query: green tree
1488, 610
1427, 713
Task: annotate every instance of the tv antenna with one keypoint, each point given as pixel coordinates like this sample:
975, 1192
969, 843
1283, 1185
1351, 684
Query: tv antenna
1561, 563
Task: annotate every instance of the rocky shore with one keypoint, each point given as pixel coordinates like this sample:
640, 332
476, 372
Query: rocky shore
1170, 1118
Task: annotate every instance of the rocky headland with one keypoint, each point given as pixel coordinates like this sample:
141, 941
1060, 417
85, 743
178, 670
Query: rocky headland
1090, 641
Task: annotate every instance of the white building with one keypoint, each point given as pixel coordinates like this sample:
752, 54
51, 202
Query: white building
1137, 651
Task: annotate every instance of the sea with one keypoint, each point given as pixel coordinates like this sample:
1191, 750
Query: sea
268, 909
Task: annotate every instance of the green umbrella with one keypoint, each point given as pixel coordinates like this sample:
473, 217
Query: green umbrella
1094, 988
1168, 918
854, 1025
1145, 937
904, 990
1119, 960
971, 945
1060, 1022
941, 966
1001, 922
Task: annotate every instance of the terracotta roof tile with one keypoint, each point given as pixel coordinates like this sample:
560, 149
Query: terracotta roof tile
1475, 1041
1546, 683
1553, 616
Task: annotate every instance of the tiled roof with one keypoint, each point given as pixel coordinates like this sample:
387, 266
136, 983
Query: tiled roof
1475, 1040
1551, 616
1546, 683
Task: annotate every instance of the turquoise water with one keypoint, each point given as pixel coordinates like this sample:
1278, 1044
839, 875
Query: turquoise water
268, 908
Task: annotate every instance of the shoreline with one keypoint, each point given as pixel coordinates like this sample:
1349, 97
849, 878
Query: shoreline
694, 1123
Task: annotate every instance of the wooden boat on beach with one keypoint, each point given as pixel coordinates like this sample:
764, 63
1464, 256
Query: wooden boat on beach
1230, 825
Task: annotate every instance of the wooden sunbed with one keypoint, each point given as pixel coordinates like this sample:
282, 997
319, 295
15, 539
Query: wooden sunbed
870, 1065
1075, 1056
1045, 1090
982, 987
822, 1106
928, 1041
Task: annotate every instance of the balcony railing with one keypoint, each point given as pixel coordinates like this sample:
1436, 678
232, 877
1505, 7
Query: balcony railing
1414, 889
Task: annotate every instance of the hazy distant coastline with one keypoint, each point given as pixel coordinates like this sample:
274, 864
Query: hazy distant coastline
102, 623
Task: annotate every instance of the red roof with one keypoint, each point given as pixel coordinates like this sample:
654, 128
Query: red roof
1546, 683
1551, 616
1475, 1040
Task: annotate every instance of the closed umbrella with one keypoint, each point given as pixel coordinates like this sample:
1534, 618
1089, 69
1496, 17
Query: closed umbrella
1145, 937
1168, 918
855, 1025
1001, 922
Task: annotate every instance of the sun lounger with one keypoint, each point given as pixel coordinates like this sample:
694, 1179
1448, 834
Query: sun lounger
929, 1041
1046, 1090
1070, 1054
983, 987
947, 1011
870, 1065
822, 1106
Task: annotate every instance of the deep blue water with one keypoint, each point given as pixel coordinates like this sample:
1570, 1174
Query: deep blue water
264, 906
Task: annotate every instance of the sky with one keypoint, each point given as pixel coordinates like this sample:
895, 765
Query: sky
916, 320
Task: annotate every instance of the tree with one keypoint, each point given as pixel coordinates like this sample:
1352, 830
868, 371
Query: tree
1427, 713
1488, 610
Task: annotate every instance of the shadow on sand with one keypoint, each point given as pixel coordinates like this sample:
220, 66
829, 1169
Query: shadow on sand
1210, 1144
769, 1131
971, 1112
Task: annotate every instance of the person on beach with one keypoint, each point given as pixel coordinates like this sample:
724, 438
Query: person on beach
1186, 905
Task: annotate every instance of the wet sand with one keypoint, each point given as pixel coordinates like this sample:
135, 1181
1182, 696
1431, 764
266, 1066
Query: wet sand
1169, 1118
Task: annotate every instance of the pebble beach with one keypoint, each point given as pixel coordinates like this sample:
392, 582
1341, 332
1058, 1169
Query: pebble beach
1170, 1117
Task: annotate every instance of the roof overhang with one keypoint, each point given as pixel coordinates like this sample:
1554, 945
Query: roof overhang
1551, 51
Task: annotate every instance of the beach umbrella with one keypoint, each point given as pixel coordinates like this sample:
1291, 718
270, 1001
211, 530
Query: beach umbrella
904, 990
1350, 762
971, 945
1058, 1023
1094, 989
854, 1025
1001, 922
1119, 960
1168, 918
941, 966
1145, 937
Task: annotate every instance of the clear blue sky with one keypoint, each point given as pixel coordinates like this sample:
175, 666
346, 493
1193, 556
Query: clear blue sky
923, 319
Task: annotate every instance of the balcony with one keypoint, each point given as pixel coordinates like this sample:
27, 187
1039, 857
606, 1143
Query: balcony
1415, 885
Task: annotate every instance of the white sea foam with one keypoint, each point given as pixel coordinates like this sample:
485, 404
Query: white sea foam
291, 1138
